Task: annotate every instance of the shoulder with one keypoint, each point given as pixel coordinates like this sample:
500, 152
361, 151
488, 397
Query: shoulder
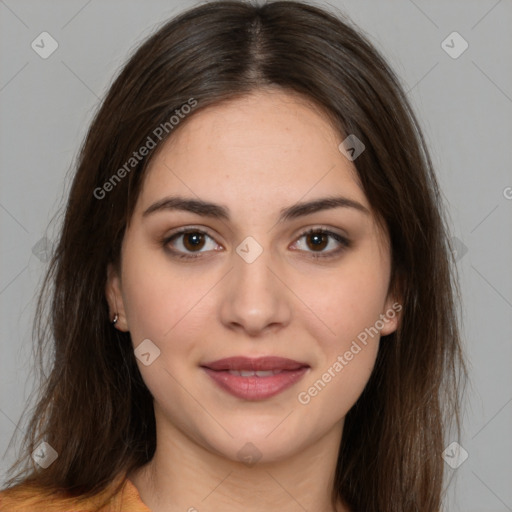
29, 498
25, 498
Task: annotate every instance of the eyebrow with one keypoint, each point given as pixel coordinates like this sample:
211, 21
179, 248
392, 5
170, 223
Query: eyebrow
217, 211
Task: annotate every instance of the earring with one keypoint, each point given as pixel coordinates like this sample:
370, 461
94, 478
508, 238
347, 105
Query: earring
116, 318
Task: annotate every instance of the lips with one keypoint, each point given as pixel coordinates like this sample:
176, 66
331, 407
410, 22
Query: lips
268, 363
255, 378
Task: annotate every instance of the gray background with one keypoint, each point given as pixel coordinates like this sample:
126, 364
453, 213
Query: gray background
464, 106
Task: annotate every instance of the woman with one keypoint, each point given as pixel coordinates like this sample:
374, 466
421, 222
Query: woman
253, 300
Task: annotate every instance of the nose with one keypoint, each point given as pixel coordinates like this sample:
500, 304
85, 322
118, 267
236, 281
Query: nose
255, 298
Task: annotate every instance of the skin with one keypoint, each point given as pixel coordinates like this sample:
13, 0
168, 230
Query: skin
254, 155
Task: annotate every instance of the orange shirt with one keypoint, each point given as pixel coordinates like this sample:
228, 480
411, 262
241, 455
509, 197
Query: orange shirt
21, 499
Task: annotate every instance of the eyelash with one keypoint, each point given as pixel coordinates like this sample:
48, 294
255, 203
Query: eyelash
345, 243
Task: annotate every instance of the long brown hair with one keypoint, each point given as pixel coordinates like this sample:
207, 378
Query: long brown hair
94, 408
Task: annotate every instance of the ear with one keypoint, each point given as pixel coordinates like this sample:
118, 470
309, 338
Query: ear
391, 316
113, 292
392, 313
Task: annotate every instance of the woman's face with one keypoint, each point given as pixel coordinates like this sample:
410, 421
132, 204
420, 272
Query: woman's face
251, 282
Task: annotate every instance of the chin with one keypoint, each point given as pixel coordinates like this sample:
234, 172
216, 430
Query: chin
257, 445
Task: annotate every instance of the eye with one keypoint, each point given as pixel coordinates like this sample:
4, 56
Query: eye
318, 239
192, 240
185, 242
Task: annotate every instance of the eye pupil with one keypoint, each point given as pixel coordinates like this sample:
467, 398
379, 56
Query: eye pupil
318, 243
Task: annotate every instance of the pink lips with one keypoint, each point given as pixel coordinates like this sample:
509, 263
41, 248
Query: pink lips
272, 375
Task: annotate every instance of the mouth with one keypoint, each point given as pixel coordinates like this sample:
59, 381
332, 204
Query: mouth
255, 378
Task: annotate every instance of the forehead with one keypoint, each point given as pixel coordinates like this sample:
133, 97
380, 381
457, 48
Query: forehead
269, 148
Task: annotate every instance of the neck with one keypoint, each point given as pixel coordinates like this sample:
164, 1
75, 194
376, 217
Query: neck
183, 475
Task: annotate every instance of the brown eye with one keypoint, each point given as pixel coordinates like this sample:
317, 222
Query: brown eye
185, 243
318, 239
188, 243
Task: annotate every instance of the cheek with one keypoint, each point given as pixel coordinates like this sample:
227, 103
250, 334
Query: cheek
153, 297
348, 306
329, 396
159, 308
165, 304
348, 355
345, 303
